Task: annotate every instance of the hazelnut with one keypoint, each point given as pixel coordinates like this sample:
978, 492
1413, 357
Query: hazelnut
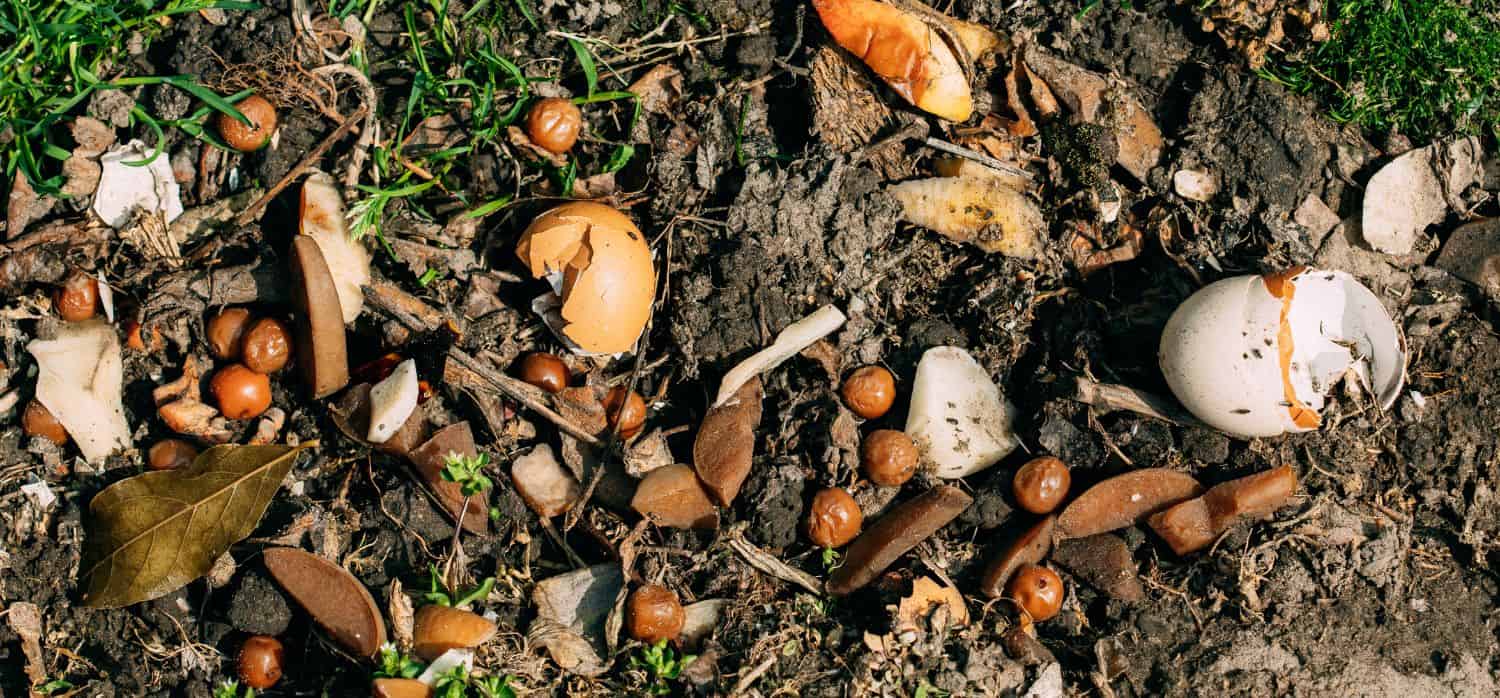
170, 454
625, 409
653, 614
260, 661
545, 371
225, 332
240, 392
553, 124
37, 420
1041, 484
889, 457
834, 518
255, 135
266, 346
78, 297
1037, 590
870, 391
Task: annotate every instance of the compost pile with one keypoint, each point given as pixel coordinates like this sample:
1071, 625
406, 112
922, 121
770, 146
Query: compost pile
743, 348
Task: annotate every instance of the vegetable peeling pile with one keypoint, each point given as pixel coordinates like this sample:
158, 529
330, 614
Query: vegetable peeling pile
728, 348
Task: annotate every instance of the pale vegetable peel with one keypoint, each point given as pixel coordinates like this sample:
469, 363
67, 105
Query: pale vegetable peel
79, 381
790, 342
322, 219
959, 420
391, 401
985, 213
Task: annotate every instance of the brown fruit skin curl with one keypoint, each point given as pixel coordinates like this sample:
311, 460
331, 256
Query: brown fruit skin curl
1041, 484
653, 614
240, 392
1037, 590
889, 457
37, 420
78, 297
249, 138
266, 347
834, 518
170, 454
226, 331
869, 391
626, 410
545, 371
260, 661
554, 124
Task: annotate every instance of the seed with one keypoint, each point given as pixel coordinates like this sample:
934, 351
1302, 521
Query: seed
654, 614
554, 124
627, 410
266, 346
241, 392
260, 661
37, 420
78, 297
1041, 484
257, 133
225, 332
889, 457
834, 518
545, 371
1037, 590
870, 391
170, 454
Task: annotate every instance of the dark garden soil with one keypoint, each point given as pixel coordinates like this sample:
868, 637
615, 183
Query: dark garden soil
1375, 580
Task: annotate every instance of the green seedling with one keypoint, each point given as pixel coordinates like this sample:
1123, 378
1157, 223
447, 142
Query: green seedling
832, 560
439, 593
459, 683
467, 472
662, 664
227, 689
392, 663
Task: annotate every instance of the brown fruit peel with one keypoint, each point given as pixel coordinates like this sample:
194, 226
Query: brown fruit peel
438, 629
1030, 548
896, 533
1195, 524
724, 448
1125, 500
322, 355
672, 496
340, 604
429, 460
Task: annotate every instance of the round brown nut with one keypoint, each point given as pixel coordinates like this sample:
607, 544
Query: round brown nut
226, 332
170, 454
1037, 590
834, 518
627, 410
254, 135
654, 614
554, 124
37, 420
266, 347
78, 297
240, 392
260, 661
1041, 484
889, 457
870, 391
545, 371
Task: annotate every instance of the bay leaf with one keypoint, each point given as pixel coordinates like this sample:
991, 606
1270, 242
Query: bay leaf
152, 534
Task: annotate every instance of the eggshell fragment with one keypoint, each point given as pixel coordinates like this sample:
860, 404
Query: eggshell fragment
1255, 356
958, 417
897, 532
1125, 500
984, 212
1197, 523
543, 483
608, 281
79, 380
392, 401
322, 219
904, 51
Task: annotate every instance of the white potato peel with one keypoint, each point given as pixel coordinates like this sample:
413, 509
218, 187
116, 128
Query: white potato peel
80, 374
1256, 356
322, 219
982, 212
958, 418
392, 401
790, 342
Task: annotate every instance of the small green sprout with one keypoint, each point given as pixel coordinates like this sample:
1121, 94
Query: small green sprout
662, 664
227, 689
467, 472
394, 664
439, 593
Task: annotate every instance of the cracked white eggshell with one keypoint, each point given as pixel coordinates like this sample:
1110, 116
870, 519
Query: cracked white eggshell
392, 401
1256, 356
958, 419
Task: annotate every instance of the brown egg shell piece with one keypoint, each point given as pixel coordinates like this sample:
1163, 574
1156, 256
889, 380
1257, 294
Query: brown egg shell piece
322, 355
1195, 524
352, 416
896, 533
438, 629
1125, 500
429, 460
1030, 548
672, 496
609, 279
724, 448
1104, 562
334, 598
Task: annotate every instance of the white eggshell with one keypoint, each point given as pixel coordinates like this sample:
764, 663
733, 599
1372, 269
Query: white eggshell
392, 401
958, 419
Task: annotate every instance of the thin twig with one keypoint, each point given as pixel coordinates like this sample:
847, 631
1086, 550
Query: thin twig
253, 211
1120, 397
521, 393
974, 155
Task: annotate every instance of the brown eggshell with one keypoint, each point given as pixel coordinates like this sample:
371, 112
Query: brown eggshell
334, 598
431, 457
900, 530
321, 353
1029, 548
725, 445
672, 496
438, 629
609, 280
1195, 524
1125, 500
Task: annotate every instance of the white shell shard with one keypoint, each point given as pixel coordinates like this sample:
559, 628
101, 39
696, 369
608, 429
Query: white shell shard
958, 418
1224, 351
792, 340
322, 219
124, 187
79, 382
392, 401
1412, 192
447, 662
106, 295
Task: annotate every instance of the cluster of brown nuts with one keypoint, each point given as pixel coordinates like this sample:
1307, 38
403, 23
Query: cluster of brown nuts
624, 409
261, 346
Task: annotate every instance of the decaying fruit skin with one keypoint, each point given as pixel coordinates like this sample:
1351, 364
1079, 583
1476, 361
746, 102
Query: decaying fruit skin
904, 51
1196, 523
